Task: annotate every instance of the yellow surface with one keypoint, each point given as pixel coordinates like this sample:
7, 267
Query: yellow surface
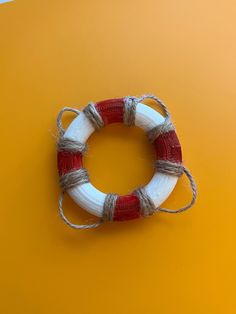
57, 53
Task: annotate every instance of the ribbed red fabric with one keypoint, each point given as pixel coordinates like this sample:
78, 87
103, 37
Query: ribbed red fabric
67, 161
111, 110
167, 147
127, 208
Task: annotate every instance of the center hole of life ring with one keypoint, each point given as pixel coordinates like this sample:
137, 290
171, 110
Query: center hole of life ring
119, 158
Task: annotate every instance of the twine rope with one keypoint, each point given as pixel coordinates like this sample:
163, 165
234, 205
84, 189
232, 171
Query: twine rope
66, 144
69, 145
168, 167
130, 104
109, 207
147, 205
130, 111
70, 224
158, 101
74, 178
194, 195
164, 127
60, 128
93, 115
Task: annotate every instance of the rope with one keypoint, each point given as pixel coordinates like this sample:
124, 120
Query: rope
158, 101
166, 126
168, 167
194, 195
109, 206
59, 117
93, 115
70, 224
74, 178
163, 127
147, 205
69, 145
66, 144
130, 104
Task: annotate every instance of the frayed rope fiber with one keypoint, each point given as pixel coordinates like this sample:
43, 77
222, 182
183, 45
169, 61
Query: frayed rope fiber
169, 161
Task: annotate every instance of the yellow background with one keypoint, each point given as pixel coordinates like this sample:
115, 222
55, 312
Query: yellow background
56, 53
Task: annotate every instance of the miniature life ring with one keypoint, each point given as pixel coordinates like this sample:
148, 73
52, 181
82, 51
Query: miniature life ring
74, 179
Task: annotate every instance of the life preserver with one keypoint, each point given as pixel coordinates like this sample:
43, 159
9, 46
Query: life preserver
167, 151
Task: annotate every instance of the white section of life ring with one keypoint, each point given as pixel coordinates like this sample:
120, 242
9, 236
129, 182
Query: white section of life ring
90, 198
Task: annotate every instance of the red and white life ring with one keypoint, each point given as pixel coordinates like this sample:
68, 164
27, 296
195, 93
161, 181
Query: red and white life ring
167, 149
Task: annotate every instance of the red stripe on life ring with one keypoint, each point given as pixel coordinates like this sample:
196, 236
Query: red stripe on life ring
167, 147
127, 208
111, 110
68, 161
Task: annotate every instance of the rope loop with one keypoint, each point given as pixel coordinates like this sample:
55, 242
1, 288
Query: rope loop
194, 195
158, 101
70, 224
59, 118
163, 127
